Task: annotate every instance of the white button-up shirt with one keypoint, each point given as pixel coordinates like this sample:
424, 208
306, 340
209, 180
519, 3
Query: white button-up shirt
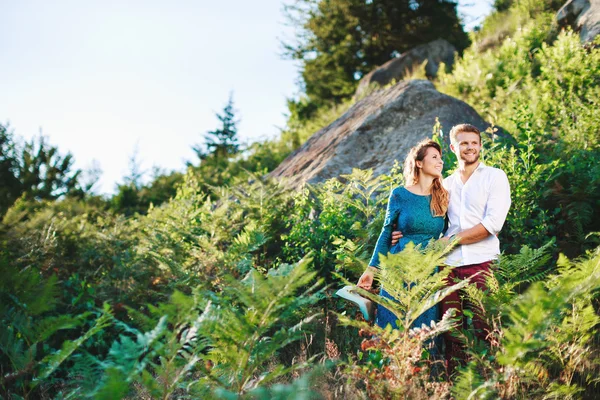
485, 199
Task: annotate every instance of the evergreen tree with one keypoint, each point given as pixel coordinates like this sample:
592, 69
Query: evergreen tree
136, 173
222, 142
44, 173
34, 169
339, 41
504, 5
127, 199
10, 187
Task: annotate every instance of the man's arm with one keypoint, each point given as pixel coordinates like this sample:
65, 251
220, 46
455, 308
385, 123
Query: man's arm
471, 235
498, 203
468, 236
497, 207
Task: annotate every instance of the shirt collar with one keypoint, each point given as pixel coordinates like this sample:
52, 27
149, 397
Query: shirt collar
481, 166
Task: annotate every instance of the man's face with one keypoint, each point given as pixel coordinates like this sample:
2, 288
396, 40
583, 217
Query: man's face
467, 147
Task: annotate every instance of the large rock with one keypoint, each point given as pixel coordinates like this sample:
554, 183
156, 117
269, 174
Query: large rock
396, 69
583, 16
376, 131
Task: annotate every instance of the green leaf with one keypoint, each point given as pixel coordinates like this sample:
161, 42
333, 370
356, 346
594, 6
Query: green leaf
53, 361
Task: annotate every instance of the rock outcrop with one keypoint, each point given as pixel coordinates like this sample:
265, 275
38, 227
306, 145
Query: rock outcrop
396, 69
377, 130
583, 16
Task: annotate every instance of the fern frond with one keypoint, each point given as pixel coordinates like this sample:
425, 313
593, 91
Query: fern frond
14, 347
471, 385
446, 323
245, 326
28, 289
435, 298
530, 265
53, 361
560, 391
84, 373
412, 278
114, 385
50, 325
534, 316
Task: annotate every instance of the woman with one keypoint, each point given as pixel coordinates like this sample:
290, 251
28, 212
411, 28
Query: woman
418, 209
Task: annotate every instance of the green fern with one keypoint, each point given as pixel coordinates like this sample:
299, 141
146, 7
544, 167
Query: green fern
470, 385
239, 330
511, 274
245, 337
530, 265
51, 362
551, 327
412, 278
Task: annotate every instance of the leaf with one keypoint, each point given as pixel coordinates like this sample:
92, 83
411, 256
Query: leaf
53, 361
115, 385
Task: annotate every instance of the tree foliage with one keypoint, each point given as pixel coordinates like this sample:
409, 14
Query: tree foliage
35, 169
337, 42
221, 143
9, 165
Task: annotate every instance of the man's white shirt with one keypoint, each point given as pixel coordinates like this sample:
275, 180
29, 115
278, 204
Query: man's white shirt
485, 199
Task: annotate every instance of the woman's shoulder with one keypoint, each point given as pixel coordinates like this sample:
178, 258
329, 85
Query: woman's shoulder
411, 191
399, 190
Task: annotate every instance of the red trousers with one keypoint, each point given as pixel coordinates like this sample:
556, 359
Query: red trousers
454, 347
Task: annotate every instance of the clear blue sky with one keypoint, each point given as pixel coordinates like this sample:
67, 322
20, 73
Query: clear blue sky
102, 78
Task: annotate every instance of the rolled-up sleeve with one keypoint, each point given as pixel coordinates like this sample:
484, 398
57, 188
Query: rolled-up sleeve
385, 237
498, 203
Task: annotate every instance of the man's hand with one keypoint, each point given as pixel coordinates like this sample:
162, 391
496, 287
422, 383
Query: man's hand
366, 279
396, 235
444, 239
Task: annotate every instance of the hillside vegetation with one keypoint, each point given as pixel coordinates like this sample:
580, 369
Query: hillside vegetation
225, 289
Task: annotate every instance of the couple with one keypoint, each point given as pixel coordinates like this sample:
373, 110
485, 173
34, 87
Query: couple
475, 200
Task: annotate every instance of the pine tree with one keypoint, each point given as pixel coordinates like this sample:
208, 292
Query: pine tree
10, 188
34, 169
222, 142
339, 41
44, 173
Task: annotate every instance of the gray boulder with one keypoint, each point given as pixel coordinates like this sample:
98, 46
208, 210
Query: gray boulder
396, 69
376, 131
583, 16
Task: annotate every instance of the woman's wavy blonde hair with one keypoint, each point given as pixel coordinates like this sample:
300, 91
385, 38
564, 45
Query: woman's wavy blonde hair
439, 195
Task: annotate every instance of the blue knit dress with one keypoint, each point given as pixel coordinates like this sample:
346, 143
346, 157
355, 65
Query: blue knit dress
412, 215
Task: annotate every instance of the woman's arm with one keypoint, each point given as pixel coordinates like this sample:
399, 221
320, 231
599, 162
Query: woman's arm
384, 242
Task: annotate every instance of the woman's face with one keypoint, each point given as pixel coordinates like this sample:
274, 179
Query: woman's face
432, 163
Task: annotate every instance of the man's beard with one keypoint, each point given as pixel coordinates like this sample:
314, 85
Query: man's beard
467, 162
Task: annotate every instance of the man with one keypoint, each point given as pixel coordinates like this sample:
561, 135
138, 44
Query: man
479, 203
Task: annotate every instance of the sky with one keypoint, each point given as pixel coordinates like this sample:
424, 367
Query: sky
105, 80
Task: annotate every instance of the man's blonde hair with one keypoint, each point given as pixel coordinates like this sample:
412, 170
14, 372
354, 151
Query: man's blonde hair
461, 128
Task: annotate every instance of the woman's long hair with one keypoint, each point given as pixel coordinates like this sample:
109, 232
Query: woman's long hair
439, 195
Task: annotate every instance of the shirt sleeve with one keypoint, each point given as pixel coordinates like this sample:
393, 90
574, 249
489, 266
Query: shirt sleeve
498, 203
385, 237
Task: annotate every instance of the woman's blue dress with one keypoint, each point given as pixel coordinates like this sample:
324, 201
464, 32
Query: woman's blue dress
412, 215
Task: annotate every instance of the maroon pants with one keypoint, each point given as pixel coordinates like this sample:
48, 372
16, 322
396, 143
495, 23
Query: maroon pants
454, 347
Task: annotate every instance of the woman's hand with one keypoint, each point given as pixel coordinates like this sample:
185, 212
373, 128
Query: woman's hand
366, 279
